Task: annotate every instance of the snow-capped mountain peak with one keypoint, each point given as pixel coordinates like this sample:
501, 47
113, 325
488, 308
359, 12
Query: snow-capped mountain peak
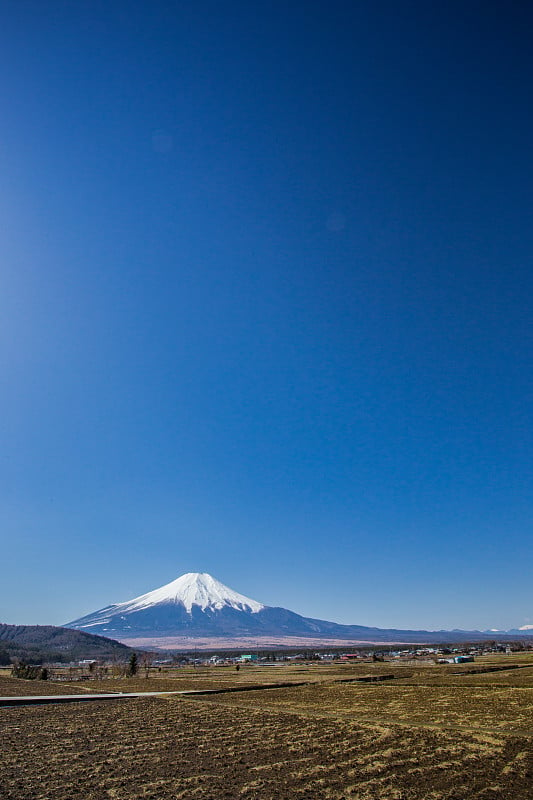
193, 589
196, 606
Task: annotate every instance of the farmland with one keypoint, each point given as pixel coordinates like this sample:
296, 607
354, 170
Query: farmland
425, 733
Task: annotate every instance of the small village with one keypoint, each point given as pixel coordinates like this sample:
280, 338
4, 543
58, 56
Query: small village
150, 664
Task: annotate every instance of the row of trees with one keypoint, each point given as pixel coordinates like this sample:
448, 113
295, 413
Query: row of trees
22, 669
29, 672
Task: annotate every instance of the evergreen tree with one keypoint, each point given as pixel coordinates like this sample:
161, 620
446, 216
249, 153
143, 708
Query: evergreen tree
133, 665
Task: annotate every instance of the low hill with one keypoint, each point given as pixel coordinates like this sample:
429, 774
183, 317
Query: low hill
48, 643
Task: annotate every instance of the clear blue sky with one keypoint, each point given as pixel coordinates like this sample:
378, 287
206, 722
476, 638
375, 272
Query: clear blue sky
266, 306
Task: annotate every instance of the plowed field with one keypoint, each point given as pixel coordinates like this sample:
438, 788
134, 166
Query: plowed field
327, 741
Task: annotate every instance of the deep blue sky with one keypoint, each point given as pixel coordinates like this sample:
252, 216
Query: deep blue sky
266, 306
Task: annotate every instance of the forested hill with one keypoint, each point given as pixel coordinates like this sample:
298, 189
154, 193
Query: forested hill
48, 643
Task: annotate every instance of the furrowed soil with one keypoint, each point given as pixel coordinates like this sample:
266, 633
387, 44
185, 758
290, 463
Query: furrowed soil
423, 734
10, 687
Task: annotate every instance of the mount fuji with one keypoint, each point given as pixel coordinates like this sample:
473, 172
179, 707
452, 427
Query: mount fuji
196, 606
194, 602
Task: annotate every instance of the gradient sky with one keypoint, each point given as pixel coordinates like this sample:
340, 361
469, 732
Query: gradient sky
266, 306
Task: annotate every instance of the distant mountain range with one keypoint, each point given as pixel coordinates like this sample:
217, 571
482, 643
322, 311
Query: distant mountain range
38, 643
196, 605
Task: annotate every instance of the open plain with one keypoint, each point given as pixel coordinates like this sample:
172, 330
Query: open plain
419, 731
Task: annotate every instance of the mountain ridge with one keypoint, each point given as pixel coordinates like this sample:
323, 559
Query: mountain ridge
38, 643
198, 605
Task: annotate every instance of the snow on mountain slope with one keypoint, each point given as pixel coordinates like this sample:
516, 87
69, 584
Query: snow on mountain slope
197, 605
193, 589
189, 595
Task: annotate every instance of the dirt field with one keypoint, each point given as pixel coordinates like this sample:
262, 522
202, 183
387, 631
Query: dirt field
10, 687
407, 738
195, 678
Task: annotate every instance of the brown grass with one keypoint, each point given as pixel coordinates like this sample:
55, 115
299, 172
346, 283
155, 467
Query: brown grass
410, 738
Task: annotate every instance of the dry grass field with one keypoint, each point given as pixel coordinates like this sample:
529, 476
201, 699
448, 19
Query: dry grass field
10, 687
426, 734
